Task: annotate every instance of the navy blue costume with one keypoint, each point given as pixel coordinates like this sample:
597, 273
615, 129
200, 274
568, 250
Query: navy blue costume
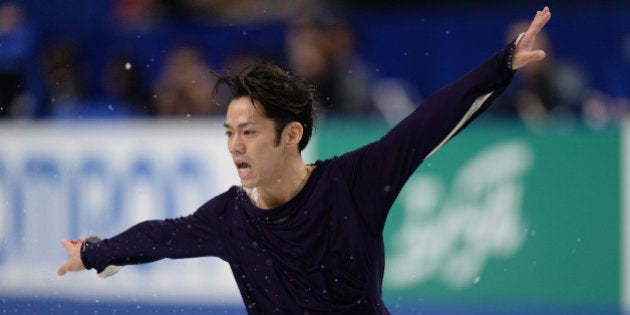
321, 252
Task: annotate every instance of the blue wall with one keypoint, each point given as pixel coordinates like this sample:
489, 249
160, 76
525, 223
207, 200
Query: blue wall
428, 44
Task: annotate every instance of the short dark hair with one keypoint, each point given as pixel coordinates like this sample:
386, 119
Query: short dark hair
285, 97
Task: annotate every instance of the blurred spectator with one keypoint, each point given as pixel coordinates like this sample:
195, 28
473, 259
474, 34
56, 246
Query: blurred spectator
322, 50
62, 78
548, 91
237, 11
185, 85
16, 53
240, 60
124, 86
600, 109
245, 53
135, 14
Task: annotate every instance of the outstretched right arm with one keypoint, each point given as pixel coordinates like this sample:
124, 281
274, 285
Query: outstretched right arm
196, 235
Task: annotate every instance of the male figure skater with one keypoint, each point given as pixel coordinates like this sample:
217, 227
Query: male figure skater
306, 238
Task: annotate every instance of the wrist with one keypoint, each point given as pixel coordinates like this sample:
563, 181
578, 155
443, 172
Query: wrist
86, 245
512, 49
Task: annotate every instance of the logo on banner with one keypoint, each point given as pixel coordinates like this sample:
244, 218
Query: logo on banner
450, 231
52, 188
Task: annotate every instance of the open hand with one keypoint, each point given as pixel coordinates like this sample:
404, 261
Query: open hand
74, 262
523, 53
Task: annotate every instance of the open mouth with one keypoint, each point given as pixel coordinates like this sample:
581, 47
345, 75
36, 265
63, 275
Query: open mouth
243, 169
242, 166
245, 172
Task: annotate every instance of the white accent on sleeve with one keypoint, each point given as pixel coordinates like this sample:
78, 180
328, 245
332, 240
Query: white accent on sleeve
109, 271
476, 105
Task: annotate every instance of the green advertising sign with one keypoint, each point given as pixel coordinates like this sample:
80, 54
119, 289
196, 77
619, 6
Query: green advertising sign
503, 217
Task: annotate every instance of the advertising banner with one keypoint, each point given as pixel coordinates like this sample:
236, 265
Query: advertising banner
504, 218
501, 219
60, 180
625, 215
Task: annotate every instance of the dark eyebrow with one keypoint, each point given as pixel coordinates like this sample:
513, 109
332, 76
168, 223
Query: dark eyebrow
239, 126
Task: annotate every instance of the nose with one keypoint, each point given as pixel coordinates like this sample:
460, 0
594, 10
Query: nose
236, 145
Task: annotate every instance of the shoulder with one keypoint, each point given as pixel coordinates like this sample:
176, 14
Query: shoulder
221, 201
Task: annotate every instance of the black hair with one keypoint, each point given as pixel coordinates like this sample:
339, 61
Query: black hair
286, 98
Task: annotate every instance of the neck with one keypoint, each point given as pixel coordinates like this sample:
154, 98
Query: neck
284, 188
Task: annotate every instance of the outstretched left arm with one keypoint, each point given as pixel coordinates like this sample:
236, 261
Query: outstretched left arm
380, 169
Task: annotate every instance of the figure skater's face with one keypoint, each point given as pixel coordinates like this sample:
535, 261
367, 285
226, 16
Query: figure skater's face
252, 143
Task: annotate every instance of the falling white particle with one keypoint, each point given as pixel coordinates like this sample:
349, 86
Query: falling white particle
110, 107
127, 66
477, 278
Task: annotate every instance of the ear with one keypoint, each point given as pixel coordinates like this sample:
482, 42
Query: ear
292, 133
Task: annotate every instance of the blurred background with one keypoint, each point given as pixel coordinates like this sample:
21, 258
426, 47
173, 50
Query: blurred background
107, 117
69, 59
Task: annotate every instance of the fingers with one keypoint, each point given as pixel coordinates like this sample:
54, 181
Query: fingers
541, 18
63, 269
66, 244
534, 55
539, 21
72, 247
524, 53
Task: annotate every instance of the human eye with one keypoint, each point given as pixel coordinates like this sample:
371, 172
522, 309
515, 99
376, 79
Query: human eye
228, 133
249, 132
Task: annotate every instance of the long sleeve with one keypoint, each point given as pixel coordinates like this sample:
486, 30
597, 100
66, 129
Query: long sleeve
377, 172
199, 234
